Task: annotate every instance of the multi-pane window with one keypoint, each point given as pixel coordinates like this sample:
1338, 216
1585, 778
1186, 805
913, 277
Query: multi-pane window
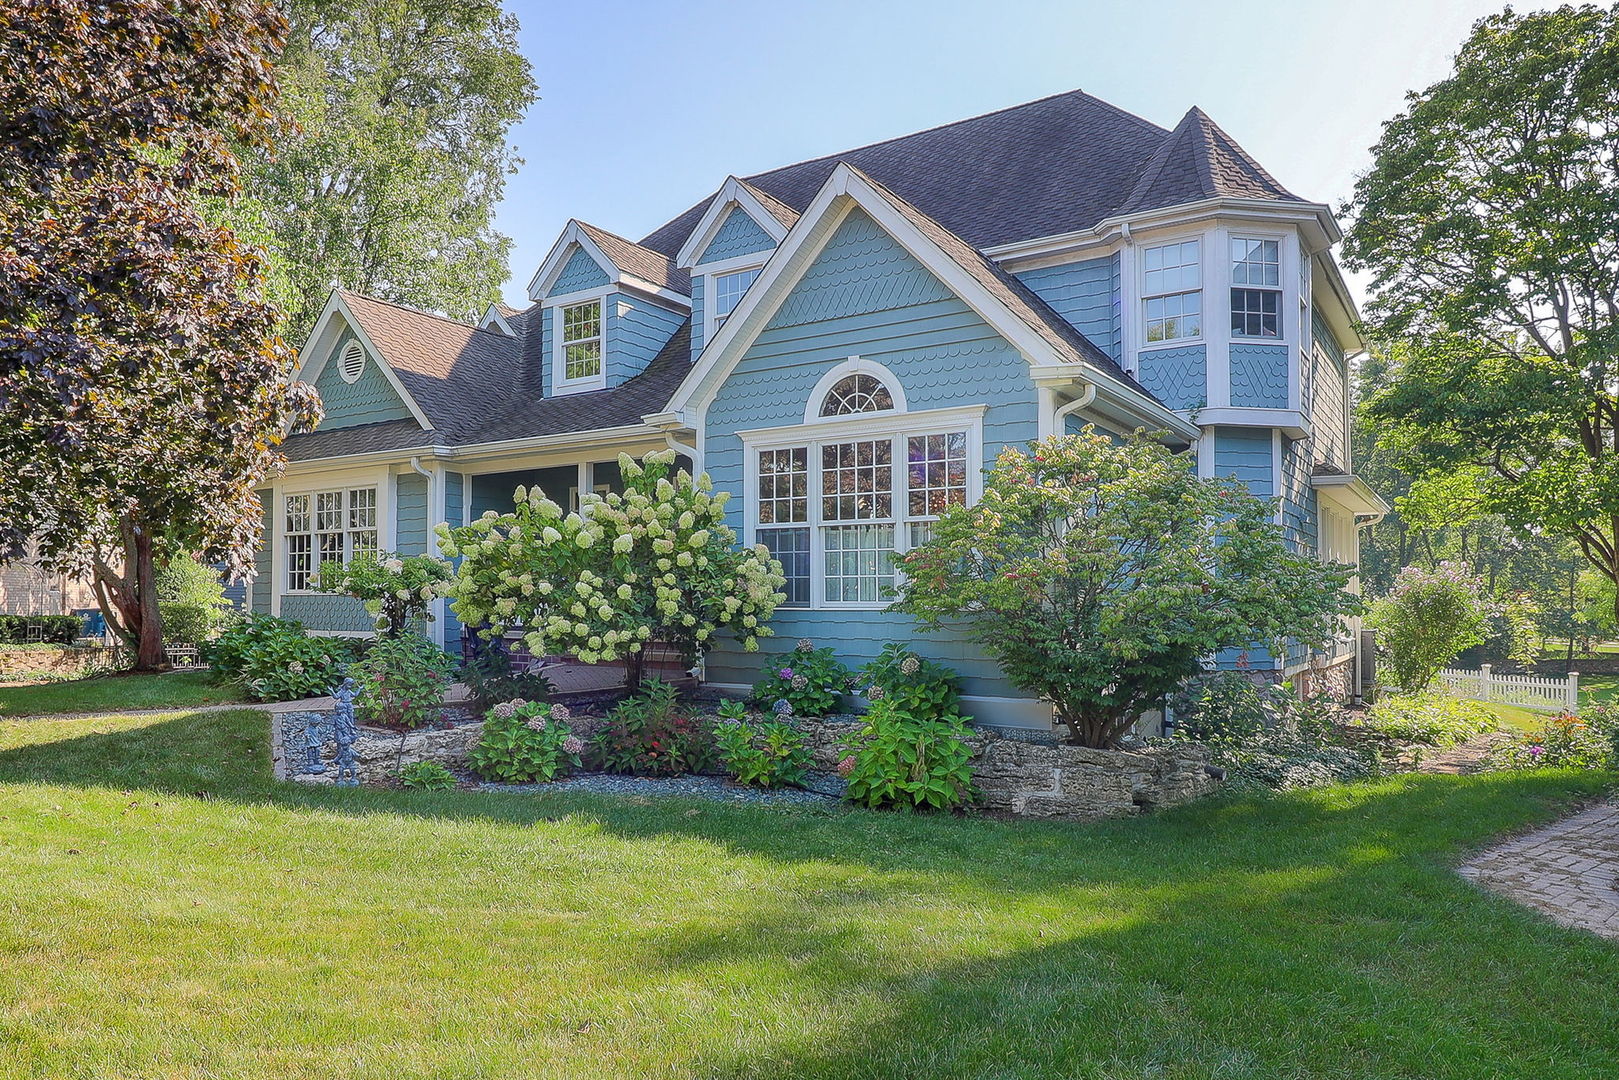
857, 394
1256, 288
326, 526
582, 341
874, 498
1172, 292
728, 290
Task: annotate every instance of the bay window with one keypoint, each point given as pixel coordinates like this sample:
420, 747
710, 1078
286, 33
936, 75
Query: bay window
1172, 292
1256, 288
322, 526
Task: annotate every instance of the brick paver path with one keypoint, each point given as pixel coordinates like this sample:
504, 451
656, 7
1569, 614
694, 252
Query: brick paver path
1569, 870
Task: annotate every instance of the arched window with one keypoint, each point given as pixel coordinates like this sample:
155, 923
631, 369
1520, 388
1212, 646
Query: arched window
857, 393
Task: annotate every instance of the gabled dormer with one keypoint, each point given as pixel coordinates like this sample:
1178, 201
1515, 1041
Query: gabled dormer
727, 248
607, 306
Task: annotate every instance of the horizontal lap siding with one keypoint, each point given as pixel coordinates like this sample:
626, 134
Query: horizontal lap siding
636, 330
697, 283
865, 295
1246, 454
369, 399
410, 501
1084, 293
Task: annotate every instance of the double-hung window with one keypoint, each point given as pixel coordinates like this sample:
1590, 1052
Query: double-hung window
1172, 292
1256, 288
326, 526
582, 342
728, 290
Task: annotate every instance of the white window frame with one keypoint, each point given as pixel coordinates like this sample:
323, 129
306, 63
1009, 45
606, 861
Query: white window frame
1201, 291
712, 272
554, 307
894, 425
1283, 273
345, 490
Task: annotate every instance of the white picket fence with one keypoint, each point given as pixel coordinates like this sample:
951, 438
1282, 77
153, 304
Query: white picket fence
1554, 694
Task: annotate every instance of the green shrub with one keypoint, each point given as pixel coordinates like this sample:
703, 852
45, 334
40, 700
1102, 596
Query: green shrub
427, 776
811, 681
1587, 741
395, 589
768, 755
402, 681
1229, 706
911, 762
1437, 719
650, 734
190, 600
490, 678
1427, 619
916, 686
524, 742
276, 660
1283, 758
53, 629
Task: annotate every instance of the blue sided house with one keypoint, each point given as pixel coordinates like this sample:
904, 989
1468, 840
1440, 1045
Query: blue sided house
844, 344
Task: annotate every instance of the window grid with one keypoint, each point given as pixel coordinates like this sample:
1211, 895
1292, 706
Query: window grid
728, 291
582, 340
783, 486
791, 547
1256, 287
326, 526
859, 562
1256, 313
1172, 291
936, 473
857, 480
857, 393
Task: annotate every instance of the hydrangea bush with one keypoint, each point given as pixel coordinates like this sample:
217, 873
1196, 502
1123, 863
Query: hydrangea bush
402, 681
655, 564
652, 734
910, 762
395, 589
805, 682
1428, 618
769, 754
916, 685
524, 742
276, 659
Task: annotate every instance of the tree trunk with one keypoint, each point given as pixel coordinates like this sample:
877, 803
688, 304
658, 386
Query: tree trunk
634, 663
128, 598
1097, 731
149, 651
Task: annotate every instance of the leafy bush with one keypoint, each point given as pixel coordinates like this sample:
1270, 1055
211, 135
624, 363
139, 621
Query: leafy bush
190, 600
427, 776
916, 686
54, 629
1284, 757
276, 660
650, 734
490, 677
1427, 619
912, 762
1587, 741
524, 742
1437, 719
811, 681
402, 681
771, 754
395, 589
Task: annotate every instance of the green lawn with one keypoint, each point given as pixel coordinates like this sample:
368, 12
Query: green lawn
174, 690
170, 912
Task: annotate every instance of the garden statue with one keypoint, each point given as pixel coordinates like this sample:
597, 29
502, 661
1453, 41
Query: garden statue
313, 741
344, 729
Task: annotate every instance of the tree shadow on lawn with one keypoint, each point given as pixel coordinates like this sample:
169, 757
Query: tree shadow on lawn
1315, 934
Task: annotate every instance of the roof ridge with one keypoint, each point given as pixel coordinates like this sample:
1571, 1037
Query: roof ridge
776, 207
1205, 147
419, 311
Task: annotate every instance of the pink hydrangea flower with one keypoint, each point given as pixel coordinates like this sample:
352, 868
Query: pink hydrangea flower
537, 724
846, 766
572, 745
560, 712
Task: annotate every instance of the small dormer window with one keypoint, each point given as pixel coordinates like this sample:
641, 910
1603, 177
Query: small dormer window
582, 341
857, 393
728, 290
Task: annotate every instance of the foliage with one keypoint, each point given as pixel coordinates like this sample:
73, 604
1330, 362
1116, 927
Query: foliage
650, 734
276, 660
395, 589
811, 681
389, 182
427, 776
912, 762
655, 564
402, 681
1230, 706
1287, 757
768, 755
1098, 574
489, 677
1587, 741
1427, 618
1486, 222
915, 685
59, 629
143, 388
190, 599
1437, 719
525, 742
732, 710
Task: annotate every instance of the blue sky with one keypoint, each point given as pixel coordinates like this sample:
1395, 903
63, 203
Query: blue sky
645, 107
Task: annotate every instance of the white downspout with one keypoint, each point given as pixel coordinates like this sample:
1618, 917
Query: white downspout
1085, 397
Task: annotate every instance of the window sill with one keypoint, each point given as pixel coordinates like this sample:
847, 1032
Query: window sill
582, 387
1178, 343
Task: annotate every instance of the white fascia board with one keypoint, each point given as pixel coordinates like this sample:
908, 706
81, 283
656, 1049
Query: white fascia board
312, 357
1350, 492
1133, 401
702, 234
493, 318
582, 439
1291, 422
1343, 315
339, 462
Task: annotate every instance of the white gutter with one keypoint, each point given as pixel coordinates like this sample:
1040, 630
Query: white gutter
1086, 396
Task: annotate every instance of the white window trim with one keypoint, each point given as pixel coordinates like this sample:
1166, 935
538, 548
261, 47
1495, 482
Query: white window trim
381, 479
854, 365
1286, 289
754, 260
1142, 295
896, 425
560, 385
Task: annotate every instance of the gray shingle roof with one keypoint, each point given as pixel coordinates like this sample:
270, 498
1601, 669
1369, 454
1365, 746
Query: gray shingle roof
778, 209
361, 439
644, 263
1053, 166
1199, 161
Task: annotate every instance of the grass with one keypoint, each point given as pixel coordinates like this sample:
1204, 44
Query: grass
171, 912
173, 690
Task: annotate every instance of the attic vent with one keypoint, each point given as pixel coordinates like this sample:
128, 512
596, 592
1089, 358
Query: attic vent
353, 363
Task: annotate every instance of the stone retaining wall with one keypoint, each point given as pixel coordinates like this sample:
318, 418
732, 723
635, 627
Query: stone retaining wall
379, 754
64, 662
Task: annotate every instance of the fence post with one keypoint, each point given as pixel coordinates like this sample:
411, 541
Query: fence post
1571, 693
1486, 683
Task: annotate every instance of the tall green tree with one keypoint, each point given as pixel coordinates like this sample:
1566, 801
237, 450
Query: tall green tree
389, 183
143, 387
1488, 223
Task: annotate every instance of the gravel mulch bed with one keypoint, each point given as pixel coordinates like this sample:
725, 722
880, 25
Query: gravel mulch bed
824, 789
